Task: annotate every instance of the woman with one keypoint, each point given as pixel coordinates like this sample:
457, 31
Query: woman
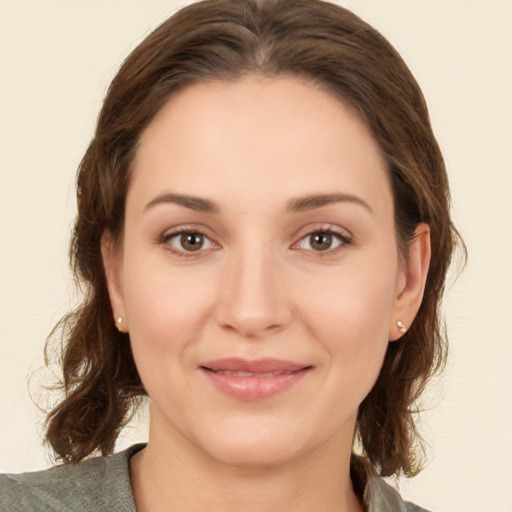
264, 233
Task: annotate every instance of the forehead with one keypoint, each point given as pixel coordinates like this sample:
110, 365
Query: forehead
282, 134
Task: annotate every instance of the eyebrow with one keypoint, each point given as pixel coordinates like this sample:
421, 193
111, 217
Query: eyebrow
195, 203
299, 204
311, 202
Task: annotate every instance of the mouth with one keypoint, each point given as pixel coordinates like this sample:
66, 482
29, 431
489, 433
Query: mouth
250, 374
254, 379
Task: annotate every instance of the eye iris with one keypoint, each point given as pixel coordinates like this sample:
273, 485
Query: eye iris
320, 241
192, 241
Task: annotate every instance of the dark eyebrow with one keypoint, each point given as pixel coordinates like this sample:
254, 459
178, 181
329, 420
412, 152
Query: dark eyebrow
311, 202
198, 204
299, 204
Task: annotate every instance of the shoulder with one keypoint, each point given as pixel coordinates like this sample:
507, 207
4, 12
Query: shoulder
381, 497
99, 484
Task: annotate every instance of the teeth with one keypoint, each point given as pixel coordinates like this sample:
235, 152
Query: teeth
250, 374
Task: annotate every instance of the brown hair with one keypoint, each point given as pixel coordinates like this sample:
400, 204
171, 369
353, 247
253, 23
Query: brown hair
226, 39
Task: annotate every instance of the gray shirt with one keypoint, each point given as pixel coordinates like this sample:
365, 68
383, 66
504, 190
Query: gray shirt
103, 485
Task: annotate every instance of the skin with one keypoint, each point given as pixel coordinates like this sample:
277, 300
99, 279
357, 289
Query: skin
258, 287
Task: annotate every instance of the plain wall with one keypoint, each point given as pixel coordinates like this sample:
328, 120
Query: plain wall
56, 60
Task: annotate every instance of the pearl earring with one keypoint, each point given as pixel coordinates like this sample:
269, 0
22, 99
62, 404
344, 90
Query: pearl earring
118, 324
401, 327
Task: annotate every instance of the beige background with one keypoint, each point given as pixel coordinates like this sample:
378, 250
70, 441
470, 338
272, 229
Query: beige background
56, 60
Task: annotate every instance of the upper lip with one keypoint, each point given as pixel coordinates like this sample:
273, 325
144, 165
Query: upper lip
265, 365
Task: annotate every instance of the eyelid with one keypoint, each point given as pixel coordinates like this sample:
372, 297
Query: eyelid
184, 229
345, 237
341, 234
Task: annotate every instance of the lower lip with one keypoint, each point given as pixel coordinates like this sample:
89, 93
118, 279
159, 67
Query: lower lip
254, 388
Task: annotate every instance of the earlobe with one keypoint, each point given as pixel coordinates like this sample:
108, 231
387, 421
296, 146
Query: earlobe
412, 286
112, 265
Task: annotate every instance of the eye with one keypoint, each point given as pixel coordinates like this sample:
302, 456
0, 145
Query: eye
321, 241
188, 241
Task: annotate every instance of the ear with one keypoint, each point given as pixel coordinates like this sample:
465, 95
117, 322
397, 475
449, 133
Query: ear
112, 263
411, 282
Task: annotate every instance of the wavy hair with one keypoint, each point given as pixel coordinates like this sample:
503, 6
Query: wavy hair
225, 40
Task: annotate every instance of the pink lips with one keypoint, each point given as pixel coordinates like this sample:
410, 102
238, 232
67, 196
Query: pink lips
253, 380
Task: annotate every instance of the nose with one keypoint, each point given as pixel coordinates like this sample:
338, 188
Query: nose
254, 299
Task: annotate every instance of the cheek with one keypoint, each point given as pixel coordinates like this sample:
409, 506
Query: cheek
166, 307
348, 313
354, 303
166, 316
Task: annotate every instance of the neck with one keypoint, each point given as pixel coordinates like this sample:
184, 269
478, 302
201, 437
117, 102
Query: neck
170, 475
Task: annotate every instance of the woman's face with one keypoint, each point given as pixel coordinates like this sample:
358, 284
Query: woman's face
258, 277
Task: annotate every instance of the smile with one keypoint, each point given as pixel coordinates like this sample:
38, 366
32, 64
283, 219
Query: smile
251, 374
253, 380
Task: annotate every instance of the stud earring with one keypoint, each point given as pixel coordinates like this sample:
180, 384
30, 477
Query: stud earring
118, 323
401, 327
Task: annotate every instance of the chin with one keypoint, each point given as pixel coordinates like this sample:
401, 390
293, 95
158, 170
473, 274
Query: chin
254, 454
255, 445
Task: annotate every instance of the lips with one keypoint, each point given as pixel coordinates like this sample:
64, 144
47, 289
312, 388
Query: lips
253, 379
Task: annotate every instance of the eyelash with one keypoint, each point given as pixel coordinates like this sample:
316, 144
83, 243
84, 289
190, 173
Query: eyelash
167, 237
343, 240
